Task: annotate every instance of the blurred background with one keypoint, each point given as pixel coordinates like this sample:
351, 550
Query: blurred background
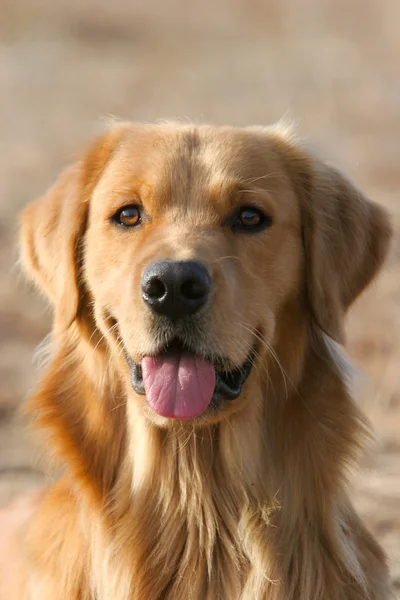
331, 66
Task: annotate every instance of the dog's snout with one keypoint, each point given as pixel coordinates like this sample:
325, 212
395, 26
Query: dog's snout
176, 289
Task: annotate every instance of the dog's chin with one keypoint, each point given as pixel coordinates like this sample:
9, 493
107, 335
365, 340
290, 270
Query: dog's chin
223, 386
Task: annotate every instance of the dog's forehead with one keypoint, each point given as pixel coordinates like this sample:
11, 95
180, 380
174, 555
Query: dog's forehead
205, 152
184, 166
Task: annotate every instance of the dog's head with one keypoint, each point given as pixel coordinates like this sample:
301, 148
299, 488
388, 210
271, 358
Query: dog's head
193, 250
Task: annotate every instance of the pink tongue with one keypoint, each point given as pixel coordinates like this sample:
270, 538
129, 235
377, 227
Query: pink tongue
179, 386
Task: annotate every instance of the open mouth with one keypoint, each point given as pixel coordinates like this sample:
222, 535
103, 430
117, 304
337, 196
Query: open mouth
180, 384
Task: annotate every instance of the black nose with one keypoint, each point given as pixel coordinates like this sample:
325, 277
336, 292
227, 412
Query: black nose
176, 288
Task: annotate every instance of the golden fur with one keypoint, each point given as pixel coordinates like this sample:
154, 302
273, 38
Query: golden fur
248, 502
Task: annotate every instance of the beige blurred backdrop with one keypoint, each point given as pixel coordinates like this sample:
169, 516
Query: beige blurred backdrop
330, 66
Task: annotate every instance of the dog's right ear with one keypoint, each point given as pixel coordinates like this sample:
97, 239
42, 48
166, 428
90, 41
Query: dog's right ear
52, 228
346, 236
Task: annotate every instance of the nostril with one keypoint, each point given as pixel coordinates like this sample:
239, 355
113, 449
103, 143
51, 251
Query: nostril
193, 289
155, 288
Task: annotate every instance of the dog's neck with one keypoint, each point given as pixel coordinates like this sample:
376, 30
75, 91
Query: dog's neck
200, 500
193, 500
194, 504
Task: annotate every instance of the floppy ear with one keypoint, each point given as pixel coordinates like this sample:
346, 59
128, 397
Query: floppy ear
52, 228
346, 238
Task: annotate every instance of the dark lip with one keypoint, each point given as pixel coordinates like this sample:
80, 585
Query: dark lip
228, 384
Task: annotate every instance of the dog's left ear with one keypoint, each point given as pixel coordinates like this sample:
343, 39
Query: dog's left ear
346, 238
52, 228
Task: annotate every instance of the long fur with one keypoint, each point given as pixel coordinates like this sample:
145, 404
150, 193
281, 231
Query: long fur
195, 514
252, 506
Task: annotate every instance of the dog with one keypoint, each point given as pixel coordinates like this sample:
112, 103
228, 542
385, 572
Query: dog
195, 396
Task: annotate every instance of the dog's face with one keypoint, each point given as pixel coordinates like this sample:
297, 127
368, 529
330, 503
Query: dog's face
194, 242
192, 245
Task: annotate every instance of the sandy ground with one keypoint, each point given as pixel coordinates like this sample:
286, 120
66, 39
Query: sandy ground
332, 66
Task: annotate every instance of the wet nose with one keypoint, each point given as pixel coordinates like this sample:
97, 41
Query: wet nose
176, 289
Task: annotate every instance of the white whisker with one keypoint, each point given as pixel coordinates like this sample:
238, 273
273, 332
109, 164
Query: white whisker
272, 353
224, 257
104, 335
257, 355
267, 176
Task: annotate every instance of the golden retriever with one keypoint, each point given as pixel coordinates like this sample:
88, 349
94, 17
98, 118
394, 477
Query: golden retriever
195, 396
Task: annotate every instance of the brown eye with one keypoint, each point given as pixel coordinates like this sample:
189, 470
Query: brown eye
249, 219
129, 216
